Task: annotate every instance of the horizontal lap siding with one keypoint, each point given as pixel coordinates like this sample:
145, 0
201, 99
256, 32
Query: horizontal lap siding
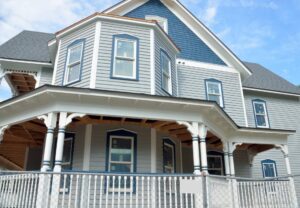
103, 79
284, 113
46, 76
87, 33
78, 150
160, 43
192, 85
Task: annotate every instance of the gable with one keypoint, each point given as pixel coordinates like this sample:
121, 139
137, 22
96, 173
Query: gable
192, 47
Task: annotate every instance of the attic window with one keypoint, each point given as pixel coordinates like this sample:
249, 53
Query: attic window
162, 22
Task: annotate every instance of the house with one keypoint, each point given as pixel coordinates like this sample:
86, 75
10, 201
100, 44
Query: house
142, 105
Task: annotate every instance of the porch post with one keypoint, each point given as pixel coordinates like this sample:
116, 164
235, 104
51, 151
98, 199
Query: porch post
231, 148
226, 158
196, 154
202, 135
60, 141
50, 122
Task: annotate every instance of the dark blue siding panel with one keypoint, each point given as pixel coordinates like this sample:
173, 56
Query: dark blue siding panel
192, 47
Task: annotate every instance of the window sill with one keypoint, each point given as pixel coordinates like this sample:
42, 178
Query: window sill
124, 78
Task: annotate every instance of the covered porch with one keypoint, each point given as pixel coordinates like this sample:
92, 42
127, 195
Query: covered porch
107, 171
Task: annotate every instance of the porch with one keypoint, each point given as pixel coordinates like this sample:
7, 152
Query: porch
139, 175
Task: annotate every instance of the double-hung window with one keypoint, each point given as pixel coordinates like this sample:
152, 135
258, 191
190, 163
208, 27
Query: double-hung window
74, 62
68, 152
125, 57
168, 156
260, 113
215, 164
166, 72
214, 91
269, 168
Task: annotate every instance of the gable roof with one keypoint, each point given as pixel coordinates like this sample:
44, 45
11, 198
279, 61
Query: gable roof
264, 79
194, 24
27, 46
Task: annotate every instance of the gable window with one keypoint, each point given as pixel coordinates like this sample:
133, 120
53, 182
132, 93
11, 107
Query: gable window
168, 156
269, 168
125, 55
162, 22
260, 113
165, 64
74, 62
214, 91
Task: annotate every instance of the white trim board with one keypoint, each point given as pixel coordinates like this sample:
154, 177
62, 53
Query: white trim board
270, 91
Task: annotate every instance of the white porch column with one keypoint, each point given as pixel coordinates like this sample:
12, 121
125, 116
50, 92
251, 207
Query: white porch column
226, 158
50, 122
202, 135
231, 148
60, 141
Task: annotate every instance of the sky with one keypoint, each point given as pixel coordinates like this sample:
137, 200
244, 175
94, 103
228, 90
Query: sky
261, 31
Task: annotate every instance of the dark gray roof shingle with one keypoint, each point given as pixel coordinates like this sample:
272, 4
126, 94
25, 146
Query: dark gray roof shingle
265, 79
28, 46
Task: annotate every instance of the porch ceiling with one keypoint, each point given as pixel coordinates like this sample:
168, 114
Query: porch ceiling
22, 82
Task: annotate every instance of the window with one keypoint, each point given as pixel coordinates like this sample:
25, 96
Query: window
168, 156
68, 152
165, 63
269, 168
260, 113
215, 164
125, 57
162, 22
214, 91
74, 62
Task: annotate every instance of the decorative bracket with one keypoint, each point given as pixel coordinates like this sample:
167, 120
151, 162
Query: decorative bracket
2, 131
49, 120
283, 148
65, 119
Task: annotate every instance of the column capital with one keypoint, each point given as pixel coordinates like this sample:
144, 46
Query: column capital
2, 131
192, 127
202, 131
65, 119
283, 148
49, 119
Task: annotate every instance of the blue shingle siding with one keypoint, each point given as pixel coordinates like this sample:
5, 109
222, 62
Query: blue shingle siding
192, 47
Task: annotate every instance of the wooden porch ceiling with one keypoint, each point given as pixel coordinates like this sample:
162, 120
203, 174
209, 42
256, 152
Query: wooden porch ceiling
22, 82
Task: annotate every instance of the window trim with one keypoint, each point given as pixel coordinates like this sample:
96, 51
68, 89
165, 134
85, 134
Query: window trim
264, 103
269, 161
159, 18
125, 134
220, 84
130, 38
170, 143
164, 53
67, 65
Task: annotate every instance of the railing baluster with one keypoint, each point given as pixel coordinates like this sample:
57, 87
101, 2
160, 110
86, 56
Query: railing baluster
113, 191
107, 186
119, 190
131, 190
170, 191
30, 191
137, 192
142, 183
70, 191
101, 190
64, 179
159, 192
125, 190
95, 190
175, 190
148, 190
89, 191
76, 190
165, 192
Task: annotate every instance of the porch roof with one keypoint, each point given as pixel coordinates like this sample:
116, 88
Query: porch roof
71, 94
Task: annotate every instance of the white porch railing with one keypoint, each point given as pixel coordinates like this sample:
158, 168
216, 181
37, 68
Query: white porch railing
91, 190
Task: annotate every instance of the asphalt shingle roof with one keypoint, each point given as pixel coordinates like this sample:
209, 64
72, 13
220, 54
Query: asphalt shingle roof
28, 46
265, 79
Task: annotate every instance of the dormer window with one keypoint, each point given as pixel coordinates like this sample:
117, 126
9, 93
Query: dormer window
125, 57
74, 62
162, 22
260, 114
214, 91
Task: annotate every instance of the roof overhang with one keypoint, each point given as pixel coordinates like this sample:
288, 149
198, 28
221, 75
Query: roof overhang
109, 103
101, 16
195, 25
270, 91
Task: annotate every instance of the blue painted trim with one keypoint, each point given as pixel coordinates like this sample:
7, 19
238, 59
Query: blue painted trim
112, 65
76, 42
267, 113
222, 91
162, 51
170, 142
268, 161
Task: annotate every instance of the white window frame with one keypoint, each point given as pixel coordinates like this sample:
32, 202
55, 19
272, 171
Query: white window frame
220, 95
134, 59
259, 114
173, 156
163, 73
159, 19
113, 189
274, 168
222, 165
69, 65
